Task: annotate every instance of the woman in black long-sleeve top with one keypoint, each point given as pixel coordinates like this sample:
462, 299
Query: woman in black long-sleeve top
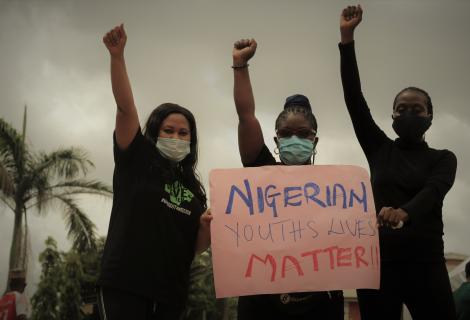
409, 181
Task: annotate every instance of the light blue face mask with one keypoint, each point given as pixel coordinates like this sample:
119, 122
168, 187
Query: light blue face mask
294, 150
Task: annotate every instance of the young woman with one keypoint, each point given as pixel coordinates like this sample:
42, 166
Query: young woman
409, 181
157, 222
296, 138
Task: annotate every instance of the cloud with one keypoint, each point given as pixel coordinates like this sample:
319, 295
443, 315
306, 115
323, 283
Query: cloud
52, 59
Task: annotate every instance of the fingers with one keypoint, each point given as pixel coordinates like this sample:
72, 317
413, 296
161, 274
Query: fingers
382, 218
207, 217
110, 39
106, 40
397, 220
390, 217
253, 44
352, 12
240, 44
123, 32
245, 43
359, 12
119, 32
115, 36
399, 225
386, 215
394, 218
347, 13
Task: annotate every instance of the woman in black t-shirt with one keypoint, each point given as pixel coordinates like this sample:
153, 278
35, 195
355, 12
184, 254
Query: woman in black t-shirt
157, 221
409, 181
296, 138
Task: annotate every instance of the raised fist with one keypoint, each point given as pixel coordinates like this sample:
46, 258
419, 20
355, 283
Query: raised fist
115, 40
243, 50
350, 19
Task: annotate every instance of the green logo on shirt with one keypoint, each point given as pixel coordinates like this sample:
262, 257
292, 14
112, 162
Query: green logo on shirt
178, 193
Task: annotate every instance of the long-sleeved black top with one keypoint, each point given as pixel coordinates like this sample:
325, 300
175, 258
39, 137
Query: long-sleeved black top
413, 177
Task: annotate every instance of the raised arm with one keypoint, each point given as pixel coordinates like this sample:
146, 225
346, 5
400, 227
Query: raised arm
250, 136
127, 120
370, 136
349, 20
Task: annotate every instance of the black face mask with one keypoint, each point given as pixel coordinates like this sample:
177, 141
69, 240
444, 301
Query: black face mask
411, 127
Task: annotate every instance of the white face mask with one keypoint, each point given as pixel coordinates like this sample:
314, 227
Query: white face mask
173, 149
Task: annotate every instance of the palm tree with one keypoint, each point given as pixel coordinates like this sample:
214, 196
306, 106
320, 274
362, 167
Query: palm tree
37, 180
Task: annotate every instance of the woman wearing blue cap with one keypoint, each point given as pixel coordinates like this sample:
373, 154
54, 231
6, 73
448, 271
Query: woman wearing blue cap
296, 139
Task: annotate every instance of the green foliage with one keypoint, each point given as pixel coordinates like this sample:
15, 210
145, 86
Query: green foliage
201, 295
91, 262
70, 294
39, 180
68, 281
45, 301
202, 304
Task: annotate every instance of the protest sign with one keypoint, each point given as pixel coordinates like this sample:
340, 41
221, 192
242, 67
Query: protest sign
280, 229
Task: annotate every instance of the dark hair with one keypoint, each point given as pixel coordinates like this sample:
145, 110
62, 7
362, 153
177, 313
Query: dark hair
416, 89
188, 164
302, 110
467, 270
297, 104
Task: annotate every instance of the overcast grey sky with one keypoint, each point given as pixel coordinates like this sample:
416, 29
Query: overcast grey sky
53, 60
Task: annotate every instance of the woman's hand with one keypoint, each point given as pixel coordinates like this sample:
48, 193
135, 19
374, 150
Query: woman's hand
351, 17
390, 217
203, 240
115, 41
243, 51
127, 119
205, 219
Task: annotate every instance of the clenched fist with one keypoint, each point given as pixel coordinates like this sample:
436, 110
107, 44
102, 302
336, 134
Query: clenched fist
243, 50
115, 40
350, 19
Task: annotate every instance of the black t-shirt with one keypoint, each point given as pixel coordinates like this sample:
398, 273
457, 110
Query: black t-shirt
413, 177
153, 226
296, 303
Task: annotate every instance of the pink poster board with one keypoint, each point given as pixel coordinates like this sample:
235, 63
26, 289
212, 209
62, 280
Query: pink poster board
279, 229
